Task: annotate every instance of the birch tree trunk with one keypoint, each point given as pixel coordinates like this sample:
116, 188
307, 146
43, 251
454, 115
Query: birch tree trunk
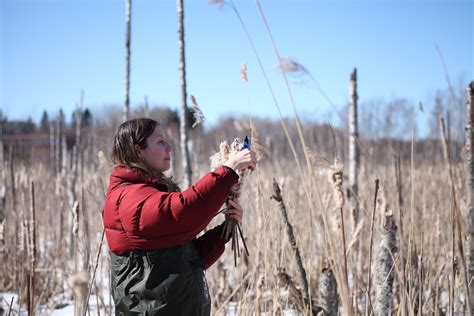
184, 109
128, 18
353, 148
470, 184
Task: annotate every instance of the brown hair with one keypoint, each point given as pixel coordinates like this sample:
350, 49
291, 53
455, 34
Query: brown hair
124, 153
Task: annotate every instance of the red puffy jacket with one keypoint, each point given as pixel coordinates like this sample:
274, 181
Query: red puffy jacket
139, 213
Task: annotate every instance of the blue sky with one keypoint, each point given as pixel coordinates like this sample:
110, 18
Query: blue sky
51, 50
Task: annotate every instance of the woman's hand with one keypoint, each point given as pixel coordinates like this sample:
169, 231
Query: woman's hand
242, 159
234, 210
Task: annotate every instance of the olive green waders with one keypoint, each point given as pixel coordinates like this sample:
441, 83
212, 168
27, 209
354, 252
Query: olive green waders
167, 281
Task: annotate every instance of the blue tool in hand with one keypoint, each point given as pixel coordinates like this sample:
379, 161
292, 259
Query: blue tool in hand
246, 144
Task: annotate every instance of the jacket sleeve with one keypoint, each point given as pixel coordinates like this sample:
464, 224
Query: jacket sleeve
186, 212
211, 245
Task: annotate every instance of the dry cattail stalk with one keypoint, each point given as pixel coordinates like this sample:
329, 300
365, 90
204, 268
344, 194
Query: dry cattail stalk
197, 113
335, 179
368, 303
470, 183
32, 246
291, 238
260, 285
329, 299
383, 269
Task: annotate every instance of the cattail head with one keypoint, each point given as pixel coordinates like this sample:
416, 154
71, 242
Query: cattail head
334, 173
243, 72
197, 113
78, 283
220, 157
75, 211
289, 65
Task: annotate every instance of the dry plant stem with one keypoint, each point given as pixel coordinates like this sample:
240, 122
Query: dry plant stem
282, 120
291, 238
368, 304
398, 179
10, 307
470, 183
451, 93
297, 119
456, 216
95, 270
344, 248
33, 248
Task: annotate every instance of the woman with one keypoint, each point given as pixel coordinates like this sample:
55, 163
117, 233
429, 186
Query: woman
151, 227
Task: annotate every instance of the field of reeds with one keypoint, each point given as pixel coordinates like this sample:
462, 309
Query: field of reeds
398, 244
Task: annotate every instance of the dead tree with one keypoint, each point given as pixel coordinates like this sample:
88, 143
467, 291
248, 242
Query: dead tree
128, 18
354, 153
183, 126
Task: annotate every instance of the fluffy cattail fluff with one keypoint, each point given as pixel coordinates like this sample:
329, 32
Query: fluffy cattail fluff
197, 113
334, 173
102, 160
78, 283
329, 299
243, 72
294, 294
218, 159
75, 212
384, 265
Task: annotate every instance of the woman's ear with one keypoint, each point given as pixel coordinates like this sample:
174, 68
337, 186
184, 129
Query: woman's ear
137, 150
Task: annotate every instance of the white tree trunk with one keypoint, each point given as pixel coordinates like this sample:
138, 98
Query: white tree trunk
184, 109
470, 184
128, 18
353, 148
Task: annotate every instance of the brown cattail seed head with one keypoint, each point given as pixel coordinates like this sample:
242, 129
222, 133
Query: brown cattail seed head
75, 211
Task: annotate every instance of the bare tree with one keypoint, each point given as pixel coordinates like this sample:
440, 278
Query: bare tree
184, 108
128, 18
354, 152
470, 183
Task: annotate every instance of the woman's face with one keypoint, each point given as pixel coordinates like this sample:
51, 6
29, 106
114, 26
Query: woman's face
157, 152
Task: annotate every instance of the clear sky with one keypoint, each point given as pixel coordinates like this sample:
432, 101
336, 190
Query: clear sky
53, 49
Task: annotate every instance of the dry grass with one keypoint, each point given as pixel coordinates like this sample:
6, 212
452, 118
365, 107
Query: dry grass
422, 269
